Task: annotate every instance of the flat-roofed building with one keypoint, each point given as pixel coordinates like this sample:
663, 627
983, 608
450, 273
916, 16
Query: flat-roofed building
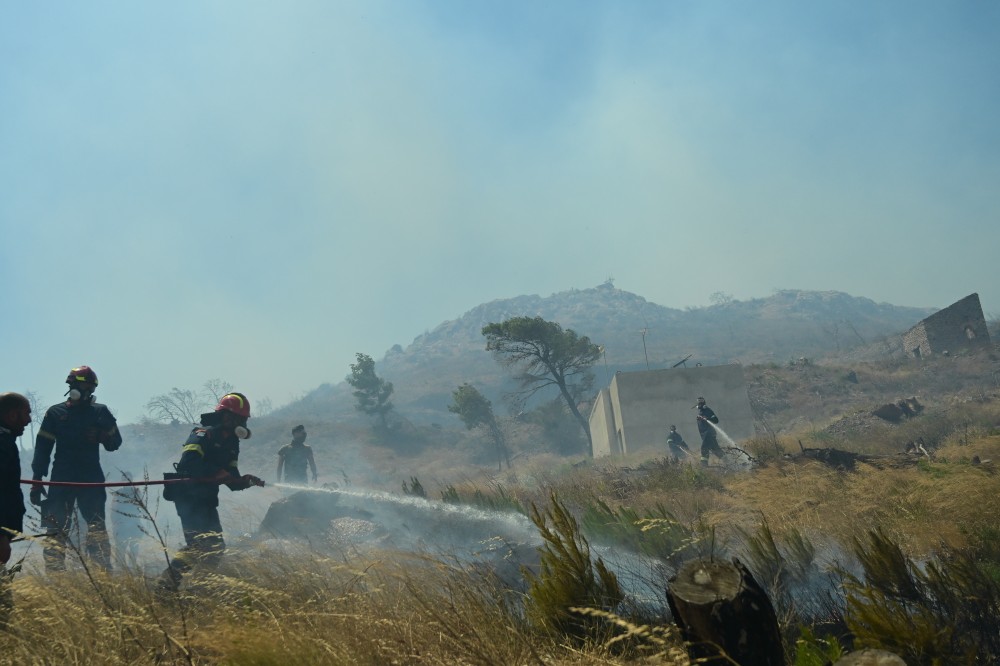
636, 410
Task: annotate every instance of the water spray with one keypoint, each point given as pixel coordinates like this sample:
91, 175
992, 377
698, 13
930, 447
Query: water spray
731, 445
510, 518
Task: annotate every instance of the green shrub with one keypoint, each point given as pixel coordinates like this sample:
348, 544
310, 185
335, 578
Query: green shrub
415, 488
500, 500
567, 579
657, 533
811, 650
943, 611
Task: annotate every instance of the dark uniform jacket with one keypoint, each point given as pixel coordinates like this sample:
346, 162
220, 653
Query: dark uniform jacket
207, 451
706, 412
11, 499
77, 432
674, 439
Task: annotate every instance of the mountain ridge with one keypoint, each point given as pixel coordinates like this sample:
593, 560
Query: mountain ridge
636, 334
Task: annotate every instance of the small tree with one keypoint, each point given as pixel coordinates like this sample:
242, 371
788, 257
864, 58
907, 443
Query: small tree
371, 391
476, 410
550, 356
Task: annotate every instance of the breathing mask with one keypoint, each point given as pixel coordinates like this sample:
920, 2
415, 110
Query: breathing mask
81, 393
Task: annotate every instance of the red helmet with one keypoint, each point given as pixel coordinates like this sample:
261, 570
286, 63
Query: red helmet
236, 403
82, 374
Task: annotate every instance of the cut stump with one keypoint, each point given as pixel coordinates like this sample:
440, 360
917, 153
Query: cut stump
722, 610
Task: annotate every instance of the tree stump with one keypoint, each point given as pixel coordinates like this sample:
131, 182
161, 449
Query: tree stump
721, 610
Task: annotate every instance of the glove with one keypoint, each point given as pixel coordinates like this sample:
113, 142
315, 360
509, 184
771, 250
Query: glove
253, 480
36, 494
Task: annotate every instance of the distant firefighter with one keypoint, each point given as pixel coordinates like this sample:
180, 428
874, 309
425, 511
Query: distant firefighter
678, 447
295, 457
709, 441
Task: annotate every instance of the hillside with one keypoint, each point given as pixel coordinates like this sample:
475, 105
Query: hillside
782, 327
838, 333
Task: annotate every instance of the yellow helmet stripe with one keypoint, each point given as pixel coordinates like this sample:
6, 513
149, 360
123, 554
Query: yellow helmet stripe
234, 395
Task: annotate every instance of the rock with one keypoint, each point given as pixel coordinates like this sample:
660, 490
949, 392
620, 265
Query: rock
870, 657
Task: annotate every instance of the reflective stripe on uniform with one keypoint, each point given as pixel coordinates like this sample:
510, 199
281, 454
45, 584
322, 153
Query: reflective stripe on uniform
196, 447
46, 434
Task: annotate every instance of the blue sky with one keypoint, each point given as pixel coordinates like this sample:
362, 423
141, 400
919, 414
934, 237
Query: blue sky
255, 191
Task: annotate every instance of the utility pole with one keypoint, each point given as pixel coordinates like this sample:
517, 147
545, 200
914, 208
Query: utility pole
643, 331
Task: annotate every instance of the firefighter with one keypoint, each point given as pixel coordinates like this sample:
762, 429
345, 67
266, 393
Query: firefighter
709, 441
678, 447
15, 414
76, 428
210, 457
295, 456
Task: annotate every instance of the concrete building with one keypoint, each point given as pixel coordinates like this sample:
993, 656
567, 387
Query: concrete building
635, 411
959, 326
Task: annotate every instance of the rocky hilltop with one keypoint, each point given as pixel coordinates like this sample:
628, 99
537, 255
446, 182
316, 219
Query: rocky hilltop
636, 334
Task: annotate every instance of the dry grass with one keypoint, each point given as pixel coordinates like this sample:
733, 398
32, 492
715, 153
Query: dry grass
265, 606
285, 608
922, 506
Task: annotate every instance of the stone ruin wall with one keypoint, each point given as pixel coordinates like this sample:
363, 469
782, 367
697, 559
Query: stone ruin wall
959, 326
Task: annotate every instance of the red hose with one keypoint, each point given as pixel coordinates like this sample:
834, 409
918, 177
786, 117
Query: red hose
79, 484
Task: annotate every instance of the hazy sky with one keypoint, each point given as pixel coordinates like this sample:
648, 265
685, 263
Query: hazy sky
255, 191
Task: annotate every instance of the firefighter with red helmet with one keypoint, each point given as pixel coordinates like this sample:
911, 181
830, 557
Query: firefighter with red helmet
76, 429
209, 458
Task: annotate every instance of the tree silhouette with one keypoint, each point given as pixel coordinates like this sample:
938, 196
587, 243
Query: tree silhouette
548, 356
371, 391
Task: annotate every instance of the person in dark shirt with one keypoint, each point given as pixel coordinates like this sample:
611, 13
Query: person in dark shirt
210, 457
709, 440
15, 414
76, 429
678, 447
295, 456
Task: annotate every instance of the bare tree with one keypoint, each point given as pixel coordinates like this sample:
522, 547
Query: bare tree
216, 388
262, 407
721, 298
37, 413
179, 405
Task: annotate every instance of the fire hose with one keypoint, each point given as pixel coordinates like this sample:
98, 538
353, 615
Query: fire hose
169, 480
117, 484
